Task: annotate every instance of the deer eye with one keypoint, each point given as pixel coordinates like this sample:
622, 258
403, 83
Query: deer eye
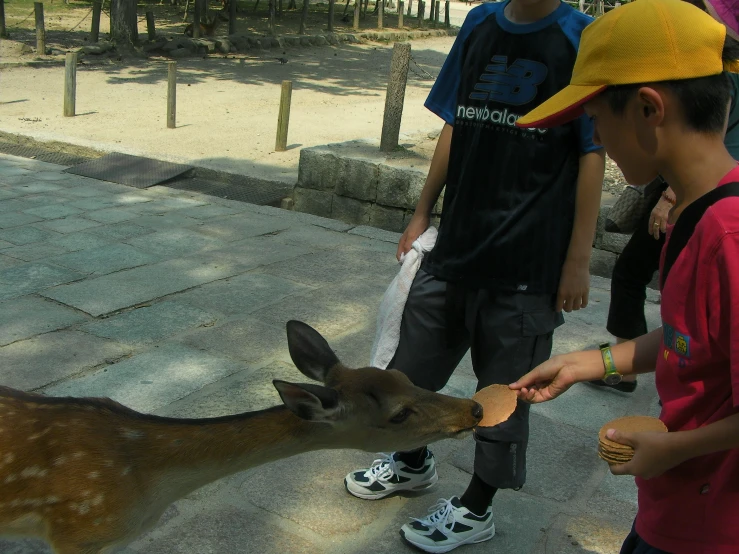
401, 416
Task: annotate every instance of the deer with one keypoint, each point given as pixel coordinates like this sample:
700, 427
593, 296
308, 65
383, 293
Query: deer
89, 475
208, 29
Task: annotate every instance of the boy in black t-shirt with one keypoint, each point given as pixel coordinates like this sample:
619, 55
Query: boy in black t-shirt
513, 250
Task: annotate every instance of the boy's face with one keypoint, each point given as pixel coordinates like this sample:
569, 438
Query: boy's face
626, 139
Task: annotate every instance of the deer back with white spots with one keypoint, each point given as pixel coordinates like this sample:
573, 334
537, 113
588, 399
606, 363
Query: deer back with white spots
89, 475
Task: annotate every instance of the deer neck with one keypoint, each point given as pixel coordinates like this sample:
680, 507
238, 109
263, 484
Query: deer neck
189, 455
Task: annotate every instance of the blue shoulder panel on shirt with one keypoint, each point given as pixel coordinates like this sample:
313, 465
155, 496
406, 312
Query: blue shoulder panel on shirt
443, 96
573, 23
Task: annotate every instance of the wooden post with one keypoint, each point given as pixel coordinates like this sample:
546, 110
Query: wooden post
231, 17
421, 9
171, 95
431, 11
150, 26
395, 96
436, 13
331, 6
283, 119
400, 14
3, 31
380, 10
303, 18
70, 83
357, 7
447, 18
40, 29
95, 31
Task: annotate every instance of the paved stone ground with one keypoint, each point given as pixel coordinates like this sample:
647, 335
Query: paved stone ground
175, 303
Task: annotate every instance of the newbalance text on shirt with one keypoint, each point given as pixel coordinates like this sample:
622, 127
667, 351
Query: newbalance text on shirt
500, 117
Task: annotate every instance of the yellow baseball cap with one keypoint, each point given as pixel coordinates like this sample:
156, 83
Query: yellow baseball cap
645, 41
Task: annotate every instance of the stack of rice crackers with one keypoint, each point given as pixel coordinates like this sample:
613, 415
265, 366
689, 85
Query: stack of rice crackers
616, 453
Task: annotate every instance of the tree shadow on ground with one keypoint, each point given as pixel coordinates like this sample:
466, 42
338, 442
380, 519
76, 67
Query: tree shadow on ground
345, 69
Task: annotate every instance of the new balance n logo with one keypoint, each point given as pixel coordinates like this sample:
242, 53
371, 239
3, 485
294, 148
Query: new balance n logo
515, 84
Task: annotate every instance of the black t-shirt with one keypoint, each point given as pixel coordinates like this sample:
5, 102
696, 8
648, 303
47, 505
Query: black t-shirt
510, 193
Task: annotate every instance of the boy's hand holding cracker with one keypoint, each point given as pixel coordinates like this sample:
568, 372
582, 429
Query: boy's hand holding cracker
557, 375
654, 453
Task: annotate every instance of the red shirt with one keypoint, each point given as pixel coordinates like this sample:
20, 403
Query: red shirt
694, 507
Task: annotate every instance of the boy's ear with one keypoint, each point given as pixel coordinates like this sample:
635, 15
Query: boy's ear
651, 106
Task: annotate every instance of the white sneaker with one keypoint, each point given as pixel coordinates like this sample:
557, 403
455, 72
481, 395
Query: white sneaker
448, 525
388, 475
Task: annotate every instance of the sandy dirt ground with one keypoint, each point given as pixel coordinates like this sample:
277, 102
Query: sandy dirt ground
226, 107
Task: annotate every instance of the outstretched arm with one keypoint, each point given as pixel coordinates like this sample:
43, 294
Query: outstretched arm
558, 374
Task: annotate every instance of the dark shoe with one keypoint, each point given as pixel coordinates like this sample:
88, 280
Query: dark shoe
623, 386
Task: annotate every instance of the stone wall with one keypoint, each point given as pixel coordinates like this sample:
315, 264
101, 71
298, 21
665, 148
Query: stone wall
357, 184
354, 183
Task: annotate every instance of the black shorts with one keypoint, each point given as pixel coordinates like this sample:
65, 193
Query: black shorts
509, 334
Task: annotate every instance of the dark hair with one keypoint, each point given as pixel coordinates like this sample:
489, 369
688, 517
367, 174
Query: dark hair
704, 100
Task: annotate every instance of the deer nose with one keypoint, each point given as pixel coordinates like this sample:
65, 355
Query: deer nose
477, 411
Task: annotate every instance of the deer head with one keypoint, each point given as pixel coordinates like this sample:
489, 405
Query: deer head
369, 408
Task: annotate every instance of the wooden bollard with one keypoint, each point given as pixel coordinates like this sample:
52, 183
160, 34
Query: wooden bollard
447, 18
70, 83
357, 8
171, 95
436, 13
3, 31
231, 17
431, 11
283, 119
150, 26
395, 96
380, 11
400, 14
40, 29
421, 9
331, 5
95, 31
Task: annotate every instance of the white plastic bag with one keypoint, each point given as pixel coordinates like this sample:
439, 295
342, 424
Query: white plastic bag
391, 309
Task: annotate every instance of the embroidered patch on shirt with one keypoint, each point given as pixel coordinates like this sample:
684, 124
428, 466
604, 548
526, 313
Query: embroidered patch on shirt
682, 344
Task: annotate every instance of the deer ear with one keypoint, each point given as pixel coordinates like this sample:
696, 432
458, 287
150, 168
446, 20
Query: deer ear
309, 402
309, 351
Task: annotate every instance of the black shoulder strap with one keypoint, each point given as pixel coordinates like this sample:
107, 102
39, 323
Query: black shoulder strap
687, 221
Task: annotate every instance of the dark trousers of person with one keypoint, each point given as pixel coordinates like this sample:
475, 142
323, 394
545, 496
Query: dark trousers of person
634, 544
509, 334
632, 273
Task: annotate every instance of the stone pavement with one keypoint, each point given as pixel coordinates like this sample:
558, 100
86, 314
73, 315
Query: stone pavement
175, 303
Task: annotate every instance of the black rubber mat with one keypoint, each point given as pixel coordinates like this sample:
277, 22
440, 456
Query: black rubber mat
129, 170
266, 194
40, 154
